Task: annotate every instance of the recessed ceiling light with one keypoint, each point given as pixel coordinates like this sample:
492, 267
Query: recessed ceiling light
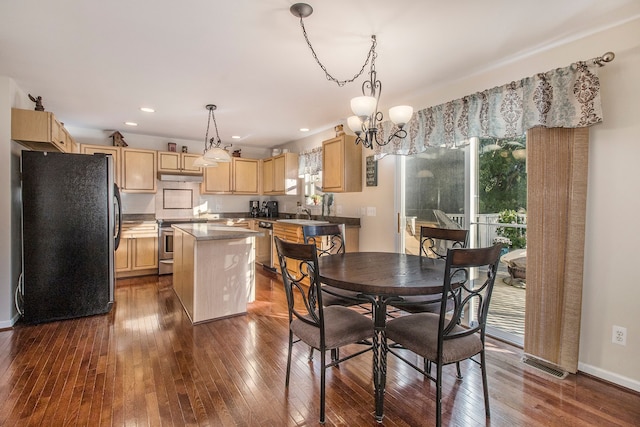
235, 137
130, 124
147, 110
304, 129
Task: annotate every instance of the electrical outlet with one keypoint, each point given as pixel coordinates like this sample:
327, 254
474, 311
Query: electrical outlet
619, 335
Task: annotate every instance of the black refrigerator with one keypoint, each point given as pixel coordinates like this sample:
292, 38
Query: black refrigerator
70, 231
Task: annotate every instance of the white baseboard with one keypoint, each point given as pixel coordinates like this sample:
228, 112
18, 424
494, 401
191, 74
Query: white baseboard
609, 376
4, 324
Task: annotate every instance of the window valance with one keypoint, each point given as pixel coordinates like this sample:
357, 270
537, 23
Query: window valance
565, 97
310, 162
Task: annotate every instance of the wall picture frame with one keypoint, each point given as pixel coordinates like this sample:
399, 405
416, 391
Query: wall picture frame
372, 172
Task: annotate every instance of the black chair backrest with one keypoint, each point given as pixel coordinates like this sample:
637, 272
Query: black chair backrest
467, 292
328, 238
434, 241
297, 262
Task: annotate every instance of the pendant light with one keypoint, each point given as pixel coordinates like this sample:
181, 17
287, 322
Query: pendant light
213, 153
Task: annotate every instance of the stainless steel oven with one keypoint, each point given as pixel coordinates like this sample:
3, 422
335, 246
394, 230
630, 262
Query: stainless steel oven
165, 250
165, 242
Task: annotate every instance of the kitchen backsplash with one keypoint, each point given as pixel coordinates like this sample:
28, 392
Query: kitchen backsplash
176, 199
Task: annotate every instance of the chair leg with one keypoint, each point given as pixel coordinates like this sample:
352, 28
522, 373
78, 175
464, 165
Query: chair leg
485, 387
439, 395
335, 354
286, 382
310, 353
322, 383
459, 373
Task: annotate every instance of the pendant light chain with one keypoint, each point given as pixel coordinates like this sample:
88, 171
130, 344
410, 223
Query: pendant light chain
208, 143
370, 57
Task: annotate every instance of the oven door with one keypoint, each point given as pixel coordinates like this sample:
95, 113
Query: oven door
165, 251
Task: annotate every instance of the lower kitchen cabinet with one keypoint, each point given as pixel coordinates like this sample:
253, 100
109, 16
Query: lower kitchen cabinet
137, 254
137, 257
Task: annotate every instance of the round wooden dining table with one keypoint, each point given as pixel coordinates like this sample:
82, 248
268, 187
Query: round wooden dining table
382, 278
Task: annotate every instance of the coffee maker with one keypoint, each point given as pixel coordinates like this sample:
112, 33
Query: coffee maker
272, 209
254, 208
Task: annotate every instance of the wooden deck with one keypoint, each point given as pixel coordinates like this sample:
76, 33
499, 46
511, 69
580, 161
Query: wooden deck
145, 364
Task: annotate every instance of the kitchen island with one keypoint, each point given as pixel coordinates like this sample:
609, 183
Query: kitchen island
214, 270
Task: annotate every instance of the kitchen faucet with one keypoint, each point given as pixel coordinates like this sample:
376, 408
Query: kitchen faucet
302, 210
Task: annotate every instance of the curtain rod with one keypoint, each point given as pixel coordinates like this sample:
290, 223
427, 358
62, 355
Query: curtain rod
607, 57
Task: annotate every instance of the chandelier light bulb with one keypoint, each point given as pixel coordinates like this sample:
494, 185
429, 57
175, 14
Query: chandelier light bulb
355, 124
363, 106
401, 114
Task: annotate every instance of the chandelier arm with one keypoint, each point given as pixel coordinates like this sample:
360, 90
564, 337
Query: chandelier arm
329, 77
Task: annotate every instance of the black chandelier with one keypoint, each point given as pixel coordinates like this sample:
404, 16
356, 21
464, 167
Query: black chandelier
366, 119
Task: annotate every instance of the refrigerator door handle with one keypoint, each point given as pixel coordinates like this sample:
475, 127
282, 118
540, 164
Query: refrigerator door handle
118, 226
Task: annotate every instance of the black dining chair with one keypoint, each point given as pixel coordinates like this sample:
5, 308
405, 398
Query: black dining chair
330, 240
434, 243
320, 327
442, 337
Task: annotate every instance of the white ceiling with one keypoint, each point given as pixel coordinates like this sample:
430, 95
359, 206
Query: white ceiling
96, 62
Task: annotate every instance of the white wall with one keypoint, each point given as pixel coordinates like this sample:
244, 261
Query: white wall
10, 202
611, 290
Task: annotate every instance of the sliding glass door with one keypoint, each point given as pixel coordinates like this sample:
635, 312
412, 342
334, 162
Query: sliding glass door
476, 186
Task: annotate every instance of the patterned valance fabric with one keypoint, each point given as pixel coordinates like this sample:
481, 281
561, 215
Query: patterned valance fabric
566, 98
310, 162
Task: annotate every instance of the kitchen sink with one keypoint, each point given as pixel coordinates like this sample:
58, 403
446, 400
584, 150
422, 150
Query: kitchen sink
303, 221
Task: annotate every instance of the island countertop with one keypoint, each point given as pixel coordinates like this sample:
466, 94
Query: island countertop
206, 231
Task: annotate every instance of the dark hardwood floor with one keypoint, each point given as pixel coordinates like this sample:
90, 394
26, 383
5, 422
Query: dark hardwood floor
145, 364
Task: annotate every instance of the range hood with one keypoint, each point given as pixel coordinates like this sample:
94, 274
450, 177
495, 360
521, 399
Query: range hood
162, 176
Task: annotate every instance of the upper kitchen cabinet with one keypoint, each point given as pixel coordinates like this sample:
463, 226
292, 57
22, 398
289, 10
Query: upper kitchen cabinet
246, 176
217, 180
182, 163
240, 176
136, 169
280, 175
341, 165
40, 131
139, 170
106, 149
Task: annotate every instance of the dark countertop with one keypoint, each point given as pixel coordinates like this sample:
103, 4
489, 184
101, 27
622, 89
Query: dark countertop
138, 217
347, 221
208, 231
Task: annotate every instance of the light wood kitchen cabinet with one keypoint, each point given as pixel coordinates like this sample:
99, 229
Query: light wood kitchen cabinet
246, 176
290, 233
137, 254
40, 131
139, 170
240, 176
106, 149
136, 169
267, 176
172, 162
280, 175
217, 180
341, 165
